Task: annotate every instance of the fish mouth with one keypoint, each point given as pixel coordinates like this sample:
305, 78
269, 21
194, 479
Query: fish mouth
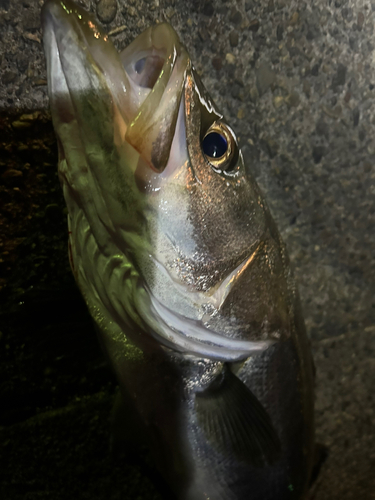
144, 82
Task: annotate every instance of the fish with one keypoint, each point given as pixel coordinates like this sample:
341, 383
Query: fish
181, 265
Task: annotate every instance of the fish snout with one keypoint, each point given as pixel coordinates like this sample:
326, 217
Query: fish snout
156, 64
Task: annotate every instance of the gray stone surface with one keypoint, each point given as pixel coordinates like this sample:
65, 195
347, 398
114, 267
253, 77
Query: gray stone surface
297, 82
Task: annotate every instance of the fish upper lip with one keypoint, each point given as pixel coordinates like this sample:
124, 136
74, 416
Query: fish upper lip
152, 130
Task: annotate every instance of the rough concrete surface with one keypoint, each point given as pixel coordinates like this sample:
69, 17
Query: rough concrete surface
296, 80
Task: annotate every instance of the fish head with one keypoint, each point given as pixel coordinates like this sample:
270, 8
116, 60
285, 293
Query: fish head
167, 226
106, 106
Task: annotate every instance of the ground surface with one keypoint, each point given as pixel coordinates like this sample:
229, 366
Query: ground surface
297, 82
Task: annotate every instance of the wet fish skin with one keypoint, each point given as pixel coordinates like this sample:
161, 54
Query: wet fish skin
181, 265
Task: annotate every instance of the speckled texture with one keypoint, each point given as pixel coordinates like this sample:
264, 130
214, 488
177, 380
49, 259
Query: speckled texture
296, 80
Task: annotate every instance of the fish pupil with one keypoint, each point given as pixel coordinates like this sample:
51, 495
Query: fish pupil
214, 145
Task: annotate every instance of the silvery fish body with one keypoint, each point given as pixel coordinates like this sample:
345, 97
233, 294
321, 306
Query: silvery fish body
181, 265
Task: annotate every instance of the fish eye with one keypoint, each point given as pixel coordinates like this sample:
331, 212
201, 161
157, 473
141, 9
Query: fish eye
214, 145
219, 146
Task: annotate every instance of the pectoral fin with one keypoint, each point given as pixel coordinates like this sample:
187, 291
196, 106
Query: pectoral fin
234, 421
